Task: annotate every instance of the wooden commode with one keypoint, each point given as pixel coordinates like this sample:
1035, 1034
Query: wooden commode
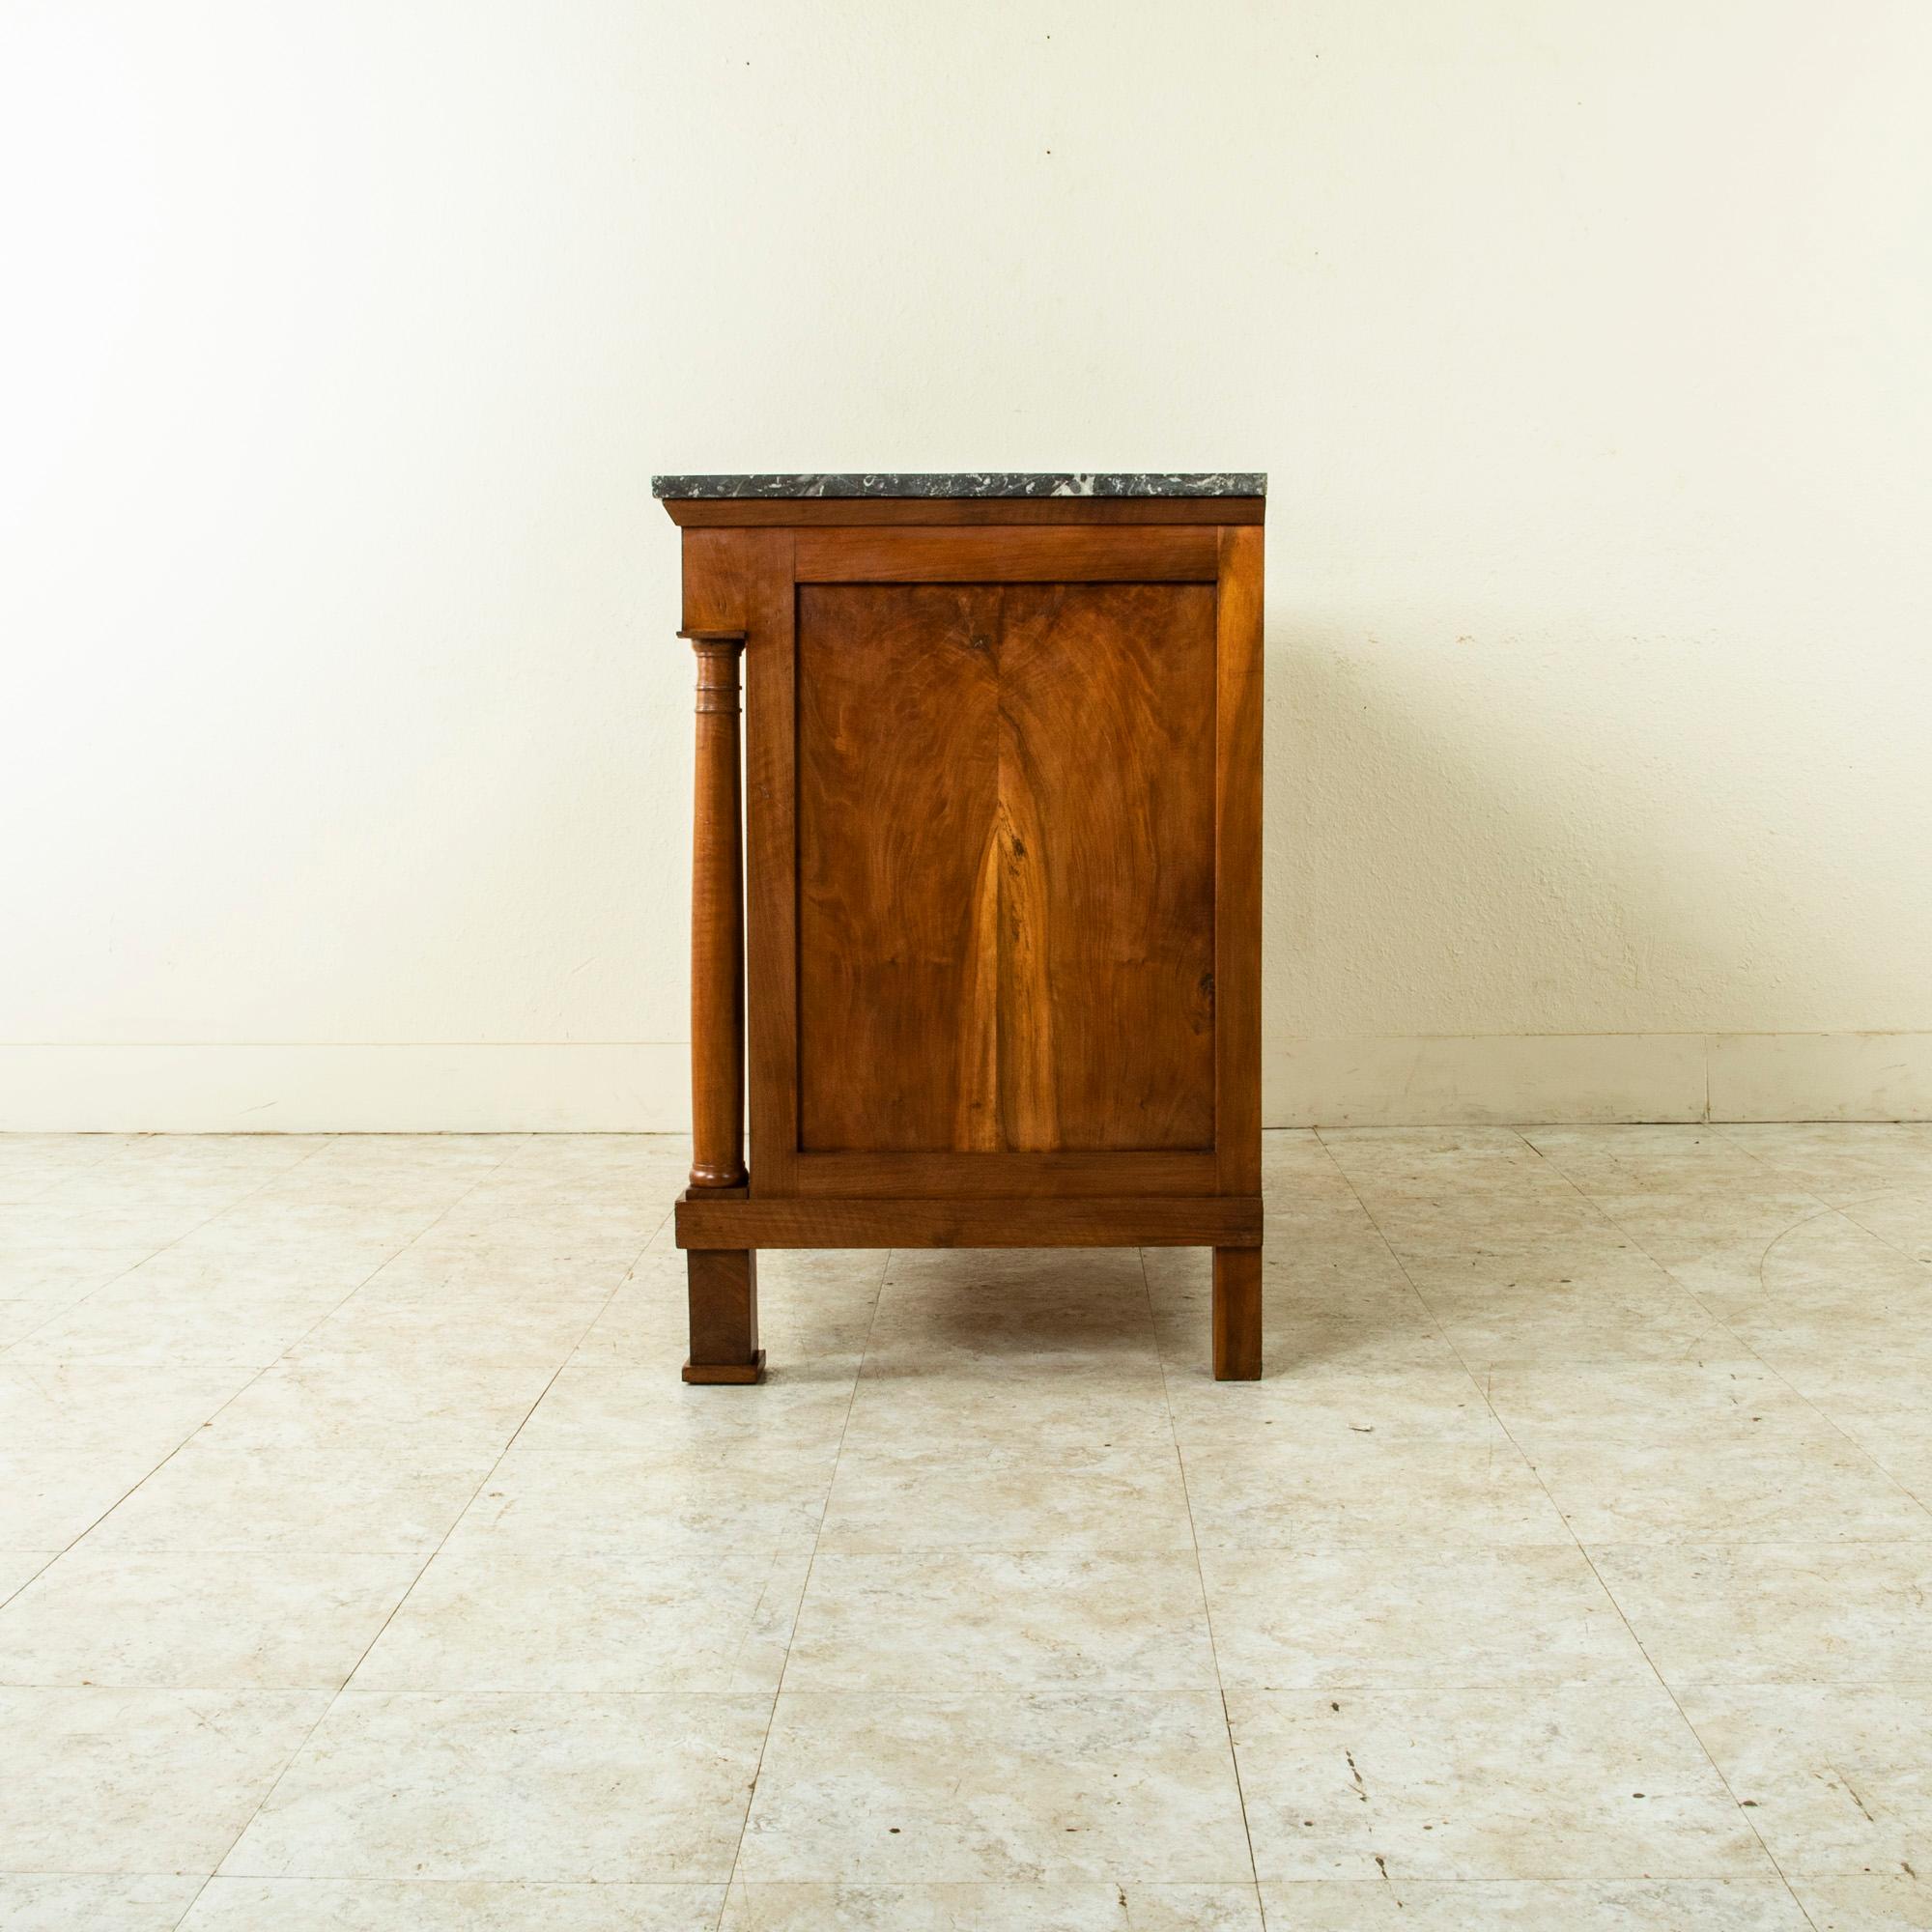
997, 854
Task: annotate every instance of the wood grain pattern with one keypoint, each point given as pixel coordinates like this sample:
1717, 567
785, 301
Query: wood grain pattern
1238, 1314
1006, 825
1003, 804
717, 922
898, 795
772, 856
1237, 864
1107, 929
717, 584
724, 1290
1036, 1221
836, 512
1181, 554
1051, 1171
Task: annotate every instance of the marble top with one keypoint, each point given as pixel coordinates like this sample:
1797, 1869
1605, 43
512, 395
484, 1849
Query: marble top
971, 483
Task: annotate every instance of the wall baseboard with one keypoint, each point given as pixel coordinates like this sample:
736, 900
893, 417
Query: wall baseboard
1445, 1080
345, 1088
1420, 1081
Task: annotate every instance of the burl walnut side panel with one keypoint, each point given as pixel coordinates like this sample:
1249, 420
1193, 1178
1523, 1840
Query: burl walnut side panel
1006, 824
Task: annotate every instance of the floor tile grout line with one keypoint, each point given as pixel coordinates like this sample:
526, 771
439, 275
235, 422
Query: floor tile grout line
1844, 1209
1770, 1367
1865, 1227
327, 1314
53, 1556
1584, 1551
198, 1427
1168, 1361
1482, 1387
1479, 1387
227, 1207
1791, 1180
1690, 1294
333, 1697
106, 1147
1610, 1596
1665, 1686
1200, 1584
100, 1160
805, 1586
1401, 1268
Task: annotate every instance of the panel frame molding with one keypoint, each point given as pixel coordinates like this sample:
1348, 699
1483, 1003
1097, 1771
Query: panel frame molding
1111, 552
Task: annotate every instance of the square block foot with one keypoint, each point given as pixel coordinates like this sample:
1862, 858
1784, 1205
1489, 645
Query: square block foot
752, 1371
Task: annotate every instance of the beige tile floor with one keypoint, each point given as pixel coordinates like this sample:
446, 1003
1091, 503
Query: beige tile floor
363, 1562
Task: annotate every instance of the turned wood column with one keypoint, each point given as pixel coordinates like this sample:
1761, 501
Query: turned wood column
717, 922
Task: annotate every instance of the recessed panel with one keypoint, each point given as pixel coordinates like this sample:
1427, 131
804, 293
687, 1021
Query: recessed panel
1006, 867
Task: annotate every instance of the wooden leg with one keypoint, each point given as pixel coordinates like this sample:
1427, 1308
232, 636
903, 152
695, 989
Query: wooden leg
1237, 1314
723, 1316
723, 1282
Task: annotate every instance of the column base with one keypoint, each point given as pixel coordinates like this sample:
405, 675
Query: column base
723, 1316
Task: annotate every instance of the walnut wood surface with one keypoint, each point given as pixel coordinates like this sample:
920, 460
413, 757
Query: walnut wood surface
1106, 989
723, 1292
1056, 1172
897, 804
717, 920
1237, 865
1217, 1220
1183, 553
1003, 821
1005, 835
772, 871
1238, 1314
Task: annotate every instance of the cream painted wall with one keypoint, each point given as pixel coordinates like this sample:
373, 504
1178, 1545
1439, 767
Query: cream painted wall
346, 745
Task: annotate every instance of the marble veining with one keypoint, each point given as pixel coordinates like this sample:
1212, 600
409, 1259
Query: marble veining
972, 483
